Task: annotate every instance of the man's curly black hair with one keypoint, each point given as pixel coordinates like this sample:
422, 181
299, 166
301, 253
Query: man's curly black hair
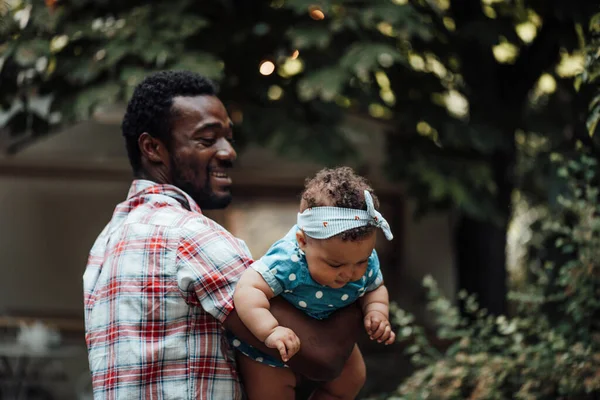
339, 187
151, 107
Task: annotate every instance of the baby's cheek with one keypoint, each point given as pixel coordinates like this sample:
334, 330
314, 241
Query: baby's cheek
359, 273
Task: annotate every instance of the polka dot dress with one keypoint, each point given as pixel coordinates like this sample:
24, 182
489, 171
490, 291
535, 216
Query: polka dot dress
284, 268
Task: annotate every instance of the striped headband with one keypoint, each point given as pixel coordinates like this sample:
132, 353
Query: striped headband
325, 222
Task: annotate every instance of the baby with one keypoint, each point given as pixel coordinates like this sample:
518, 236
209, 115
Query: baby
325, 262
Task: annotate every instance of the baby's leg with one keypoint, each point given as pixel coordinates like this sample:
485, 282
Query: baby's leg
262, 381
348, 384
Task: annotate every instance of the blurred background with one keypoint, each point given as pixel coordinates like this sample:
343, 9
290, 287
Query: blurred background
466, 115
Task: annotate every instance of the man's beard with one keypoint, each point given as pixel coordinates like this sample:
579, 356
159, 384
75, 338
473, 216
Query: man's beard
203, 196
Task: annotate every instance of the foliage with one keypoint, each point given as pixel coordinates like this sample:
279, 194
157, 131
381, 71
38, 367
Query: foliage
465, 87
591, 73
68, 60
550, 349
455, 80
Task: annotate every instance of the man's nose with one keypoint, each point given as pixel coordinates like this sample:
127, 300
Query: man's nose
225, 151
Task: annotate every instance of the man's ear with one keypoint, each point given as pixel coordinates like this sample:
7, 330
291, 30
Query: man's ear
153, 149
301, 239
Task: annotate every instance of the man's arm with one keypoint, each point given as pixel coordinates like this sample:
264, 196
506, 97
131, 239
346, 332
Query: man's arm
204, 281
326, 344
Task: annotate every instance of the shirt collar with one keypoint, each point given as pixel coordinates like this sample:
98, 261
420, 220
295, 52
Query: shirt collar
144, 187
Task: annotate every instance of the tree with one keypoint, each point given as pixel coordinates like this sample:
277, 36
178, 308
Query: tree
550, 348
66, 60
466, 86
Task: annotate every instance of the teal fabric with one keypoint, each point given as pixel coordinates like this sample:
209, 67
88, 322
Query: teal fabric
285, 270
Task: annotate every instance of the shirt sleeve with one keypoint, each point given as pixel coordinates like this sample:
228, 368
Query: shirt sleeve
209, 264
279, 267
374, 275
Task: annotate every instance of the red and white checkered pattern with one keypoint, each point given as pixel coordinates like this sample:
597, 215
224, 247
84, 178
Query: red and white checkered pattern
158, 283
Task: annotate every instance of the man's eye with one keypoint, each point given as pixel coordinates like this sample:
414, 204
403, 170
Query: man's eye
231, 140
207, 141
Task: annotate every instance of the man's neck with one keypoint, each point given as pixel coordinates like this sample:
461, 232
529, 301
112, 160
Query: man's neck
154, 176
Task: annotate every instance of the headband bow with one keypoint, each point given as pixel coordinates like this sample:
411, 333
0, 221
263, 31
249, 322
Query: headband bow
325, 222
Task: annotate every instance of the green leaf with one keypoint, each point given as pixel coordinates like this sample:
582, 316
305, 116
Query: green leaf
325, 83
593, 118
102, 94
28, 52
368, 56
304, 38
203, 63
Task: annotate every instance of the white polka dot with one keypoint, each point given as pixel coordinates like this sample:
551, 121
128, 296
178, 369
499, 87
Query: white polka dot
302, 304
364, 278
331, 305
274, 271
236, 343
288, 291
271, 365
292, 277
259, 359
319, 294
370, 273
295, 258
345, 297
361, 290
361, 295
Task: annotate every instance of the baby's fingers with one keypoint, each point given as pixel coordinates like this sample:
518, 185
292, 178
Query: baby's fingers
368, 325
293, 346
282, 350
374, 323
380, 330
386, 334
391, 339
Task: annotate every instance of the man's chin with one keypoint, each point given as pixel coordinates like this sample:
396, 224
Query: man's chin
215, 201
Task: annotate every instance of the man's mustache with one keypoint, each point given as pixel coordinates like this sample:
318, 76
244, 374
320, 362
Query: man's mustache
222, 165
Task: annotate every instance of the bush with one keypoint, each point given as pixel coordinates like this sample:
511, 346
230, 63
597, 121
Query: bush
550, 348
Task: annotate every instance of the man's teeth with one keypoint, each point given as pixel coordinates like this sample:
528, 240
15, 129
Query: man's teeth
219, 174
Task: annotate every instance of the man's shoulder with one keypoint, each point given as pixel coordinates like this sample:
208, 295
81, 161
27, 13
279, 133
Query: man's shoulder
202, 232
193, 224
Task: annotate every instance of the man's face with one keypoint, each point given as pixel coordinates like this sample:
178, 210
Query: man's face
201, 152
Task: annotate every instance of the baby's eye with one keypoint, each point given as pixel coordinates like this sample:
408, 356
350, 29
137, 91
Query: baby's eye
336, 265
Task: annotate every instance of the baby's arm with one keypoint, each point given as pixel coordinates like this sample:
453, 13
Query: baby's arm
251, 299
375, 305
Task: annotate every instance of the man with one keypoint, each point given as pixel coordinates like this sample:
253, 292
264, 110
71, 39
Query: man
160, 277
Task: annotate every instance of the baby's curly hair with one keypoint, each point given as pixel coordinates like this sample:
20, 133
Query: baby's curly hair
339, 187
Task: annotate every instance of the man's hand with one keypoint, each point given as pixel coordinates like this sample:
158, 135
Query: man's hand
378, 327
284, 340
326, 344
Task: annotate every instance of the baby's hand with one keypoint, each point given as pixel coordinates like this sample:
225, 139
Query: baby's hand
378, 327
284, 340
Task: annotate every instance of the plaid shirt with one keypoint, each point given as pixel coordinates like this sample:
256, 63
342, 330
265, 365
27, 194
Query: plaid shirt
158, 284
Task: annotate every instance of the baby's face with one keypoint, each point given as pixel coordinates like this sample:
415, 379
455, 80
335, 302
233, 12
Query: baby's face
334, 262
